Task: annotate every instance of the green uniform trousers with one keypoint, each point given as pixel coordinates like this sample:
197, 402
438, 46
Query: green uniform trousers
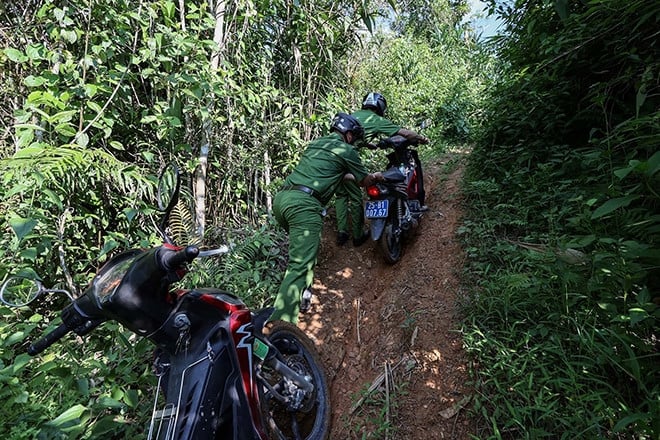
300, 215
348, 202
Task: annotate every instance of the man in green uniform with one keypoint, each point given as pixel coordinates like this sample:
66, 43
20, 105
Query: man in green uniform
299, 205
348, 199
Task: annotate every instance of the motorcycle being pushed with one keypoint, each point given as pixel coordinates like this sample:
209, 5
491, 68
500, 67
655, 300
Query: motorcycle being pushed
220, 375
392, 206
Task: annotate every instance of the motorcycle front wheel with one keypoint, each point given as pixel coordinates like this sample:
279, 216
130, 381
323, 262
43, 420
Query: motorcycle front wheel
390, 240
310, 420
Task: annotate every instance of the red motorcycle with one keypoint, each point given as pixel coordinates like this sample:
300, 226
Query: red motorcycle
392, 206
219, 375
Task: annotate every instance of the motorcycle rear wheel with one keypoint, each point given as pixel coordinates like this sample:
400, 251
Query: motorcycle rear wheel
312, 421
390, 240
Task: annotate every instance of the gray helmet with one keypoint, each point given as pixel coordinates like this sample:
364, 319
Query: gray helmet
376, 102
344, 123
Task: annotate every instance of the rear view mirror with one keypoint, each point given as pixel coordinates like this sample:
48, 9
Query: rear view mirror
20, 291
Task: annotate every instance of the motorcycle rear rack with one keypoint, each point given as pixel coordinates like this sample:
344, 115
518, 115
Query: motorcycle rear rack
163, 421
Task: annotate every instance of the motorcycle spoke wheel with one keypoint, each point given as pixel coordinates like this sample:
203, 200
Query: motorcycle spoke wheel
311, 421
390, 242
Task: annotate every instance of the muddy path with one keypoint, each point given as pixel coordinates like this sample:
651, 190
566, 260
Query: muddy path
395, 328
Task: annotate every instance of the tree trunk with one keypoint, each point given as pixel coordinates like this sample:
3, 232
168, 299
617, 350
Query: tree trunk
207, 125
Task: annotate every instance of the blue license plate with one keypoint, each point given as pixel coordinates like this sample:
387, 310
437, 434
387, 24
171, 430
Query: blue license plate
376, 208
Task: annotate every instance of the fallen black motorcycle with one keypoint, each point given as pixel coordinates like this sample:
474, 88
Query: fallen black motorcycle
392, 206
220, 376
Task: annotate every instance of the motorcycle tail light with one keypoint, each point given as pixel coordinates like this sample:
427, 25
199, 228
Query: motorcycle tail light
373, 191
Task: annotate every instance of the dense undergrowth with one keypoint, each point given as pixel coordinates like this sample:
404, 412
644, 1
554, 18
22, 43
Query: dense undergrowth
563, 226
97, 96
562, 186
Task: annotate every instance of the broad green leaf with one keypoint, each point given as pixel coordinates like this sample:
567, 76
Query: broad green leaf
37, 317
580, 242
59, 14
25, 139
14, 338
109, 246
65, 129
22, 397
29, 254
117, 145
35, 52
94, 106
34, 81
82, 139
628, 420
130, 213
83, 386
90, 90
22, 226
637, 315
653, 164
644, 296
15, 55
19, 363
131, 398
607, 306
30, 126
108, 402
612, 205
69, 36
169, 10
63, 116
70, 415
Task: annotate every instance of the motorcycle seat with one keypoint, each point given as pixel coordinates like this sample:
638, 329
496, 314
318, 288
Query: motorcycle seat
394, 174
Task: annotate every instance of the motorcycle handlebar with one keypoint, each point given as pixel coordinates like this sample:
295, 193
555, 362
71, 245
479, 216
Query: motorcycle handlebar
48, 339
172, 261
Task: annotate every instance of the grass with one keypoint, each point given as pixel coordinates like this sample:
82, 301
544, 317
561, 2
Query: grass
552, 363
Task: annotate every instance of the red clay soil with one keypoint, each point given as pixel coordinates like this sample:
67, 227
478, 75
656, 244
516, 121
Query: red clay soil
394, 328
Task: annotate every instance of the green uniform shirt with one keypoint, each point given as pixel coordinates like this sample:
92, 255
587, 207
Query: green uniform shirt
374, 125
323, 165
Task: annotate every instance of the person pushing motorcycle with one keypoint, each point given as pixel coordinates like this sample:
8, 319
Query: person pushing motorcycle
298, 207
348, 199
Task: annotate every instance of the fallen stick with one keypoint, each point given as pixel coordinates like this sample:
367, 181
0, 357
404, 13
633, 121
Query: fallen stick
379, 381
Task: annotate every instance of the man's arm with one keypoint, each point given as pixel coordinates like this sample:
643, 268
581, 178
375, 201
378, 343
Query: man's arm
370, 179
412, 136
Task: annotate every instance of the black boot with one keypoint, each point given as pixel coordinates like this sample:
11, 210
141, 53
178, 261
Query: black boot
342, 238
361, 240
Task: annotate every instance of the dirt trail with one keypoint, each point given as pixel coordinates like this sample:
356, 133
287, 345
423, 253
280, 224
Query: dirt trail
369, 317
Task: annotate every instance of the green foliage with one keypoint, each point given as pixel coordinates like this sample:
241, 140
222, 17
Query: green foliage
87, 393
56, 199
437, 78
563, 230
97, 95
251, 270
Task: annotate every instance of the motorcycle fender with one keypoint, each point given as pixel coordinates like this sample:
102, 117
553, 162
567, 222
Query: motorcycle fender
377, 225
